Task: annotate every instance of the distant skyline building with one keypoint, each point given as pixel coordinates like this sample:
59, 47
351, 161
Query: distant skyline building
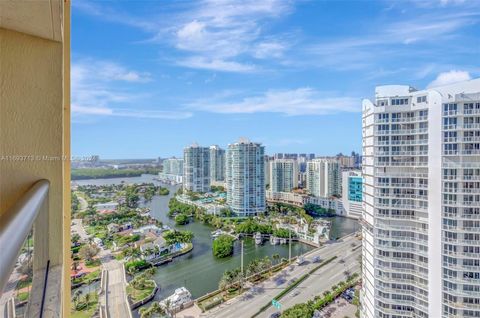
421, 217
323, 177
217, 164
352, 193
196, 169
173, 166
283, 175
245, 177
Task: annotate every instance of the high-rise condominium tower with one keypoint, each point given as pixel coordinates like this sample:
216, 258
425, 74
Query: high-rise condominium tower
352, 193
217, 163
323, 177
245, 177
421, 217
283, 175
196, 168
173, 166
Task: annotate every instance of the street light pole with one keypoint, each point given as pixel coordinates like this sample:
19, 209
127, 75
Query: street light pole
289, 245
241, 265
241, 255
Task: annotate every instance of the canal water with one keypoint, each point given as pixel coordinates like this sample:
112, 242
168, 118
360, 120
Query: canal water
199, 271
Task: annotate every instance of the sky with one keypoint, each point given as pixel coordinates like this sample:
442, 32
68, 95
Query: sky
151, 77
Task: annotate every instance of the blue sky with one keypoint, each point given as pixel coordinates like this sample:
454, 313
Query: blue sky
149, 77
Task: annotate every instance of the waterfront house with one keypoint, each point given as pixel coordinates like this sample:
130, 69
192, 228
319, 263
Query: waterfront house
113, 228
106, 208
153, 249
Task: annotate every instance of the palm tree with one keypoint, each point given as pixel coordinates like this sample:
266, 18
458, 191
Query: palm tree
131, 270
266, 263
136, 253
276, 257
150, 272
168, 306
76, 296
144, 312
156, 250
87, 300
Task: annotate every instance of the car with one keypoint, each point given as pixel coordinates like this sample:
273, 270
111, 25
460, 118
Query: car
275, 315
316, 259
295, 293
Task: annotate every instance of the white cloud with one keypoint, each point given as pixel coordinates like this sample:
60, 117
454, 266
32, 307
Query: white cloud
450, 77
122, 112
216, 34
269, 49
392, 40
216, 65
96, 91
301, 101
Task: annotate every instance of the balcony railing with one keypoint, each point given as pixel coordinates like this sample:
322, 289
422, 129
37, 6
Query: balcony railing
31, 211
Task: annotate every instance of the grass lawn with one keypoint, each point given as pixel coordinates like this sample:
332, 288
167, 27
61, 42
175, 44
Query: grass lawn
88, 311
23, 296
139, 294
93, 263
89, 277
24, 283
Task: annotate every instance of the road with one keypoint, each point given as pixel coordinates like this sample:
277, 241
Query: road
116, 293
323, 279
77, 227
117, 306
83, 203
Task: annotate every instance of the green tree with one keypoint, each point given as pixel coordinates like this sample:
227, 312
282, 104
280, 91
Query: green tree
131, 196
223, 246
88, 252
181, 219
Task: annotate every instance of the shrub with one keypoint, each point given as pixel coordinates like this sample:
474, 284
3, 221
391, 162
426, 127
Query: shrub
223, 246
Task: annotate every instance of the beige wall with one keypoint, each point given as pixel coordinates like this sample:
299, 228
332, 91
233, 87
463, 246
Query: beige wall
34, 122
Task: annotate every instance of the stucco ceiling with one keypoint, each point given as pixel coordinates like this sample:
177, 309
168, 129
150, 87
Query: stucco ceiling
42, 18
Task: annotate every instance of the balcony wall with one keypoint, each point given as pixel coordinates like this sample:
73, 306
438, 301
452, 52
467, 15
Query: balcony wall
34, 127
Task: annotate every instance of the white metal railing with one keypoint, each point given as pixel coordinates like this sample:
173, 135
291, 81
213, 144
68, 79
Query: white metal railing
449, 112
30, 211
471, 139
471, 111
471, 126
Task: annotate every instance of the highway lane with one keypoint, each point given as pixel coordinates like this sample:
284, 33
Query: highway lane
244, 306
319, 282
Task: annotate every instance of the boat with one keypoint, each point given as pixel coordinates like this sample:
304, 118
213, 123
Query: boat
258, 238
274, 240
181, 298
216, 233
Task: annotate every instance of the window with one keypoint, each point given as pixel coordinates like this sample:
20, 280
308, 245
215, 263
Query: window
421, 99
399, 101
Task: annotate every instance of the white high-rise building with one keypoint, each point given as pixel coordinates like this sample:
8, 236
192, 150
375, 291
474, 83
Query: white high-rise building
352, 193
173, 166
245, 177
217, 164
196, 169
421, 204
323, 177
283, 175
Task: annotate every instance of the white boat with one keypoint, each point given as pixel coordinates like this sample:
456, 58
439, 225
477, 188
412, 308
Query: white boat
180, 299
216, 233
274, 240
258, 238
